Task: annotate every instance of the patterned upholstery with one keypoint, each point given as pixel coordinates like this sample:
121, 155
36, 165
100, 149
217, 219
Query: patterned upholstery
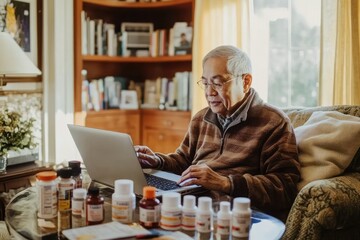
328, 208
4, 233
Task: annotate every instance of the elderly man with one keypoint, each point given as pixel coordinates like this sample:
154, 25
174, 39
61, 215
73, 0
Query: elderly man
238, 146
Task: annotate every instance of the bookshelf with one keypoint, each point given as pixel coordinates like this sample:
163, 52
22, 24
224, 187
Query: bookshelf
146, 126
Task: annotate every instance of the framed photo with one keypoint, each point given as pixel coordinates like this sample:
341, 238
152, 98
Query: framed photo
18, 18
129, 99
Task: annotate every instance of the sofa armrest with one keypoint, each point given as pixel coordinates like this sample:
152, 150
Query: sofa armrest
328, 204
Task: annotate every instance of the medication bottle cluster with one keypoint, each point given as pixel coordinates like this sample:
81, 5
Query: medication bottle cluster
60, 193
55, 190
171, 215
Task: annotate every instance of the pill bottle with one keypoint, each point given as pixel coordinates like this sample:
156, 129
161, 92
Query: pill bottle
241, 217
171, 211
188, 213
65, 189
78, 202
94, 206
204, 215
46, 186
76, 172
123, 201
223, 228
149, 208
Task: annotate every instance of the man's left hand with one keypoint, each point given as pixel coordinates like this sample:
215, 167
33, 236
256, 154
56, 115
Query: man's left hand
204, 176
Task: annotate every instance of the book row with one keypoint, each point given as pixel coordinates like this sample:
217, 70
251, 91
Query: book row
133, 39
114, 92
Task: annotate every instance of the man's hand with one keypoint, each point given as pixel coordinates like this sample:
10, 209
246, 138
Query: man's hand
147, 157
206, 177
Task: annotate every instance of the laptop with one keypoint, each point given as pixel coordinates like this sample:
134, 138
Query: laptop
109, 156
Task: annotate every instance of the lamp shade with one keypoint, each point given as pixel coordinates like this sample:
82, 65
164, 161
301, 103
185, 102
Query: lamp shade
13, 60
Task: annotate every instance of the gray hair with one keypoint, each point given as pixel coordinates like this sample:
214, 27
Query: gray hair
238, 62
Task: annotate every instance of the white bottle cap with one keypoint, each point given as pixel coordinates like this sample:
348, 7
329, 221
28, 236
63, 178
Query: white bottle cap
171, 200
124, 187
79, 193
205, 203
189, 201
241, 203
224, 207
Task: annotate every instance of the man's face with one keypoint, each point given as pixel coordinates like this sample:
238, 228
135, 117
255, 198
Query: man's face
221, 101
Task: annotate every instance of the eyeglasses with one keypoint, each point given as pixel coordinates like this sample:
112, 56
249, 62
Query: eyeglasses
214, 85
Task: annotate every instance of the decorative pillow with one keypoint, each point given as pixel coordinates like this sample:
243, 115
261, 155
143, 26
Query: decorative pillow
327, 143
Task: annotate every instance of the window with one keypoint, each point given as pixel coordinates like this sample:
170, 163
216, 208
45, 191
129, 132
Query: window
286, 51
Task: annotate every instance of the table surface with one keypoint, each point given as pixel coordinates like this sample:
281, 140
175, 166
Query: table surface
21, 218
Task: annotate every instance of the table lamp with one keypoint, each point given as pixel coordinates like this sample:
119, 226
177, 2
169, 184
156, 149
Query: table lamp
13, 60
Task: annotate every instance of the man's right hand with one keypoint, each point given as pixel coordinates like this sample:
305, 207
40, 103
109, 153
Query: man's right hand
146, 157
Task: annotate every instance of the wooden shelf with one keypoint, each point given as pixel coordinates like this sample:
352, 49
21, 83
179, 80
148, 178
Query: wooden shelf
123, 4
162, 59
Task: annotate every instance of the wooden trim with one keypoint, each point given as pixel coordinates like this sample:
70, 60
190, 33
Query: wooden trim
119, 4
177, 58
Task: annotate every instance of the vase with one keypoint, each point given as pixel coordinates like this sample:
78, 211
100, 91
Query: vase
3, 164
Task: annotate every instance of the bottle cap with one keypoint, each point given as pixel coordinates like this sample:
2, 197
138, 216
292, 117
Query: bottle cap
93, 191
171, 200
65, 172
189, 201
79, 193
46, 175
76, 167
124, 187
74, 164
241, 203
205, 203
224, 207
149, 192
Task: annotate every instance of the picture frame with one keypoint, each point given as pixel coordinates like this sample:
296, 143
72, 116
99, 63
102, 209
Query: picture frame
129, 99
19, 19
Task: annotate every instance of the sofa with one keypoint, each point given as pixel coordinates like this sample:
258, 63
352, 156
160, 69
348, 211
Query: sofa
327, 208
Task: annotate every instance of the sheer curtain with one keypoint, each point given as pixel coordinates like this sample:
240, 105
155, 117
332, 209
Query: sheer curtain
217, 22
340, 57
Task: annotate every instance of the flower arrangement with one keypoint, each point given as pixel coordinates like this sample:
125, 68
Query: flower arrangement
15, 132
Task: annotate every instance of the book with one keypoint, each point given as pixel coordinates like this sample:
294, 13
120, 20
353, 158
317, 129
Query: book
150, 100
84, 29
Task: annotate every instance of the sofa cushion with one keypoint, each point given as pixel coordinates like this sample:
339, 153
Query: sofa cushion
299, 115
327, 143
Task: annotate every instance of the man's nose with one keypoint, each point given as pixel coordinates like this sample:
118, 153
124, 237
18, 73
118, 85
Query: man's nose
210, 90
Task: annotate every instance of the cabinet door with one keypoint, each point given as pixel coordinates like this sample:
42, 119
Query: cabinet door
116, 120
163, 131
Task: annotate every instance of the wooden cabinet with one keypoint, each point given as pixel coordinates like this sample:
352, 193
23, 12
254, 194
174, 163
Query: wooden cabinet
119, 121
164, 131
163, 15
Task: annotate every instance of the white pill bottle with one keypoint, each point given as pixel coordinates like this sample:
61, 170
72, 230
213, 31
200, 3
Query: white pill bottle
241, 217
46, 186
123, 201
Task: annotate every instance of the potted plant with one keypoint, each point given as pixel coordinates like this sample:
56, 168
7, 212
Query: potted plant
15, 133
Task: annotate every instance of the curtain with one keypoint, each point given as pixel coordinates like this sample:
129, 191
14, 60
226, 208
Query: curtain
340, 67
217, 22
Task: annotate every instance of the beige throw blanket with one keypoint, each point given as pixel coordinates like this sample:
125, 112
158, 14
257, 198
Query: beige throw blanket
327, 143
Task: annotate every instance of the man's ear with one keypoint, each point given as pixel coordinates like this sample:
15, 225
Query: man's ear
247, 82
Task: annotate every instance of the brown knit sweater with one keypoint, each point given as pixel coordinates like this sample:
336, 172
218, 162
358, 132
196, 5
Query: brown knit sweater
257, 151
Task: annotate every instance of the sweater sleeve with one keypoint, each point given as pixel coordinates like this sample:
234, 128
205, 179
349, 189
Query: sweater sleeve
275, 187
183, 157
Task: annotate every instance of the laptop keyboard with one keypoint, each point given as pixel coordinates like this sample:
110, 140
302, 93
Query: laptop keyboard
161, 183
